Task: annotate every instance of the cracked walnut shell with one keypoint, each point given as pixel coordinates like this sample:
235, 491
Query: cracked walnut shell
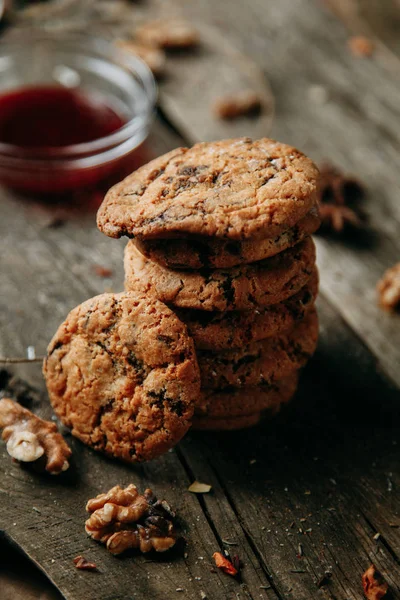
28, 437
123, 519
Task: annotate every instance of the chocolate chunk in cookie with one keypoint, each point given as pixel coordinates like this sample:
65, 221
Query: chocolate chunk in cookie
238, 189
218, 253
241, 288
263, 362
121, 371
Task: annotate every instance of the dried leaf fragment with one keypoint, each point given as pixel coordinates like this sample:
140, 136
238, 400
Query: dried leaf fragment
199, 488
375, 587
236, 105
388, 289
168, 33
82, 564
361, 46
28, 437
124, 519
224, 564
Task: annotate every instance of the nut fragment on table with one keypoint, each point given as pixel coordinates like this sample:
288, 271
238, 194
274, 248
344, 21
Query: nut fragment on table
83, 564
236, 105
375, 587
153, 57
388, 289
361, 46
29, 438
123, 519
168, 33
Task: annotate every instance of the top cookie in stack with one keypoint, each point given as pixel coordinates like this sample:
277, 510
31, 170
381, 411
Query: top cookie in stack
222, 234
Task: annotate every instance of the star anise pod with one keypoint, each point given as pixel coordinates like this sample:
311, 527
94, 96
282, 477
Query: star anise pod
337, 188
337, 218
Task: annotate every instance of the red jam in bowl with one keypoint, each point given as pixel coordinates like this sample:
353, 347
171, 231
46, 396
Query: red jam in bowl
48, 117
43, 132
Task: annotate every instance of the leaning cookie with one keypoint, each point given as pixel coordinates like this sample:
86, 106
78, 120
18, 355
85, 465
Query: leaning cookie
263, 362
225, 423
244, 287
218, 331
121, 371
237, 189
239, 402
219, 253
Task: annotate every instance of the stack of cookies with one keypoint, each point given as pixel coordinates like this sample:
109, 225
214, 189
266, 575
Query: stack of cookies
221, 234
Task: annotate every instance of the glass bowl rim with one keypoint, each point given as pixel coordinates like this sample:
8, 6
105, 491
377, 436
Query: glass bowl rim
105, 144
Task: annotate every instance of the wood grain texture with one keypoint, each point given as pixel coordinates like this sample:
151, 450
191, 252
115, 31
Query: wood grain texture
338, 441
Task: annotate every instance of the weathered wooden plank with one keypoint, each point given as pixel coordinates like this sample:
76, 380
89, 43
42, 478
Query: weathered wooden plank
348, 432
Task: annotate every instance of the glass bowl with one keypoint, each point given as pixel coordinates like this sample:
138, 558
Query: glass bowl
93, 66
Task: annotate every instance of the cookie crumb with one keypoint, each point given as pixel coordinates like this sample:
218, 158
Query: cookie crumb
82, 564
101, 271
375, 587
173, 34
153, 57
237, 105
324, 580
361, 46
388, 289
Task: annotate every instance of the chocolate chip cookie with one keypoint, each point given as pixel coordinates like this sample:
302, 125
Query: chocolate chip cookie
261, 362
234, 329
244, 287
237, 189
121, 371
218, 253
239, 402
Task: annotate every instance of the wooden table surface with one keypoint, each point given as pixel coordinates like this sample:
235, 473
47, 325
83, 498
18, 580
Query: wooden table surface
314, 491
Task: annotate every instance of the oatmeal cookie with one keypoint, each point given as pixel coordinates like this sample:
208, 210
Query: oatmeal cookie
218, 253
234, 329
239, 402
263, 362
121, 371
237, 189
241, 288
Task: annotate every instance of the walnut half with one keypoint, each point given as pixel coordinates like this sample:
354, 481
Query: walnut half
124, 519
28, 437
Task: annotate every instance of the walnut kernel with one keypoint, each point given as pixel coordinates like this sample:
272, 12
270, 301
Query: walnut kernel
28, 437
168, 33
237, 105
124, 519
388, 289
